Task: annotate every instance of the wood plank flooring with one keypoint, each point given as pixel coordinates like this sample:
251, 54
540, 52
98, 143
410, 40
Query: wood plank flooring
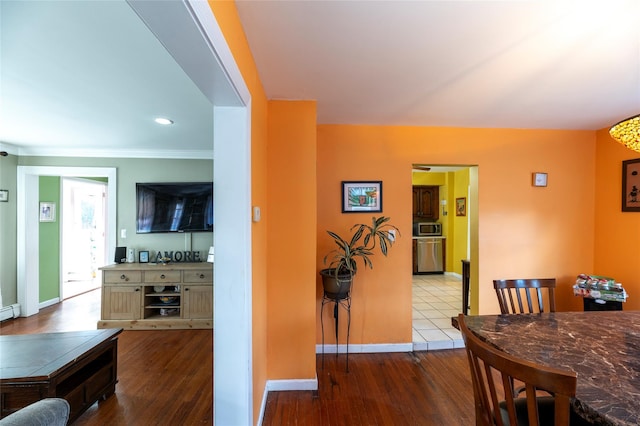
166, 378
415, 388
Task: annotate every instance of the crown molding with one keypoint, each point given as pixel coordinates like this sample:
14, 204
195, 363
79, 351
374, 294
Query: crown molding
110, 153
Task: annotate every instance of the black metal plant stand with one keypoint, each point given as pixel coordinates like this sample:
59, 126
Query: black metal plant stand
345, 303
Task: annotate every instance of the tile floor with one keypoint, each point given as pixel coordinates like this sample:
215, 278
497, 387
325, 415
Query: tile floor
436, 298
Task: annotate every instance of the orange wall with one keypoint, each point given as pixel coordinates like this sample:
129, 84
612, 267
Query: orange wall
227, 17
523, 231
616, 232
291, 240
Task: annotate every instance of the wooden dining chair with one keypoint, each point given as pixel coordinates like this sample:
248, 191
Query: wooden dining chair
492, 374
512, 293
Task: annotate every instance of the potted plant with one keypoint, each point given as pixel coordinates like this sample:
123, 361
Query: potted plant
338, 277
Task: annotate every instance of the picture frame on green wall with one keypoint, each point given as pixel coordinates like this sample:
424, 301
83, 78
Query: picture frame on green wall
47, 212
631, 185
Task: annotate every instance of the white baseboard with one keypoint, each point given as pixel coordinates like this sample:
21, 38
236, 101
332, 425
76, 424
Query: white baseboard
285, 385
292, 384
11, 311
48, 302
366, 349
312, 384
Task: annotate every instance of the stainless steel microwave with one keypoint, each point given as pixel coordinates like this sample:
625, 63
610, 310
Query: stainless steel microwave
427, 229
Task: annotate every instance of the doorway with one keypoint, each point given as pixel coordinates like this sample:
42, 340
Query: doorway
83, 235
436, 298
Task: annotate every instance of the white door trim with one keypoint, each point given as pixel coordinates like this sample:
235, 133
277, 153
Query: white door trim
28, 223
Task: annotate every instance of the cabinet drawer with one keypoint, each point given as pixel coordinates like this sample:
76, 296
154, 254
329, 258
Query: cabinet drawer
162, 276
122, 276
202, 276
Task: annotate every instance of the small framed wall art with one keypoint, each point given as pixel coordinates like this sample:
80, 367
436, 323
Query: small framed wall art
539, 179
461, 206
631, 185
143, 256
47, 212
4, 195
361, 196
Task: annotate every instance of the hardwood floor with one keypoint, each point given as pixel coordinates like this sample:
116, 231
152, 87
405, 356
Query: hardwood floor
415, 388
166, 378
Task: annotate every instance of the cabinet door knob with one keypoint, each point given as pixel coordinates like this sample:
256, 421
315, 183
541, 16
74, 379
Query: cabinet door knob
201, 276
137, 289
162, 276
122, 277
186, 289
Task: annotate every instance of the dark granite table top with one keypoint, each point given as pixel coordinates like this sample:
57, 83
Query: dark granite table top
603, 348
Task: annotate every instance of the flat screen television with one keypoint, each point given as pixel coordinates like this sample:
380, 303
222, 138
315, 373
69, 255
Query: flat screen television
174, 207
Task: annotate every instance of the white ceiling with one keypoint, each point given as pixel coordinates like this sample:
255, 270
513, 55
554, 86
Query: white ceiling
88, 77
553, 64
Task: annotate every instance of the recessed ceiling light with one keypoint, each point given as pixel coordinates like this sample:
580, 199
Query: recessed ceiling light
163, 121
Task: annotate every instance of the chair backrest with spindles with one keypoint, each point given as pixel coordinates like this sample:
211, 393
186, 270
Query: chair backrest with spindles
492, 374
512, 295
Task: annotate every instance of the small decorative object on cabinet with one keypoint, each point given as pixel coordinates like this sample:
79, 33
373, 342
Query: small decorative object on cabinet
145, 296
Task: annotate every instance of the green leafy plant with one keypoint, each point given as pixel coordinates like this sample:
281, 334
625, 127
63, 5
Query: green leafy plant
361, 245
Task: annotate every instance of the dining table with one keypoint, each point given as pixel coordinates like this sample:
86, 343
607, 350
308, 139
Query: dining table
601, 347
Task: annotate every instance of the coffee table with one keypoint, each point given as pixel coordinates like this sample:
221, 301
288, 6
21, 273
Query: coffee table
79, 366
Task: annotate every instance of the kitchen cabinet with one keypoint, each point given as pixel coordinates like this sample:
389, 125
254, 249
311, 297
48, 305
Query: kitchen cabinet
147, 296
426, 200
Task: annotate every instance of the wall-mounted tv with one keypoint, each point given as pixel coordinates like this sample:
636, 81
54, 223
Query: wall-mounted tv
174, 207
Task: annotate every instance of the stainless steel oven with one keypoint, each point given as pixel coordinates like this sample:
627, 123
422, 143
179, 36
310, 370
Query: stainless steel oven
427, 229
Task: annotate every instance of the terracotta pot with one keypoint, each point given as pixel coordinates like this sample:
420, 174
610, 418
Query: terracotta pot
336, 287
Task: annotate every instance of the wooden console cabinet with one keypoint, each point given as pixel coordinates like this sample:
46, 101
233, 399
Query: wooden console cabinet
146, 296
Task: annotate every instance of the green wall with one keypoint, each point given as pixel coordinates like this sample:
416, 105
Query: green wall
49, 234
129, 171
8, 234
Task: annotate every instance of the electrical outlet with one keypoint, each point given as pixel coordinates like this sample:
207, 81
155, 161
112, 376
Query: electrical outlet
123, 233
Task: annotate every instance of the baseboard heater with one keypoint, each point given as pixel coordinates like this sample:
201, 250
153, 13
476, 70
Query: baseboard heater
11, 311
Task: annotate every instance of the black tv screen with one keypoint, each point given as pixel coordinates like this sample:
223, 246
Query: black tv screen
174, 207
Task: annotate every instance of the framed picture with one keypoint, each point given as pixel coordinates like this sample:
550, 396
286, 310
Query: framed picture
47, 212
631, 185
361, 196
143, 256
539, 179
4, 195
461, 206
